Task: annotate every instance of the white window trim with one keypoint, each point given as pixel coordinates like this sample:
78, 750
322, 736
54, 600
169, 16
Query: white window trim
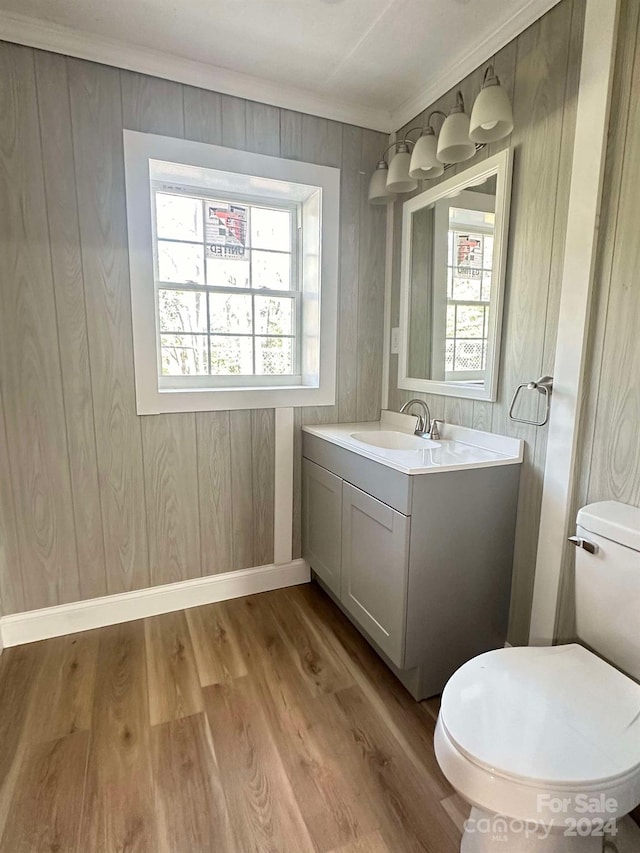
316, 390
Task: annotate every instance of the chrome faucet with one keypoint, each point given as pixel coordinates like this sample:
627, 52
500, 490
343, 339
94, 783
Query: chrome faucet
424, 426
424, 420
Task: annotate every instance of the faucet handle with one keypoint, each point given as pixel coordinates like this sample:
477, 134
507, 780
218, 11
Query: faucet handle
434, 432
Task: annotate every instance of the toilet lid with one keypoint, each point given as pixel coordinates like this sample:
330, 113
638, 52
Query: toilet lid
545, 715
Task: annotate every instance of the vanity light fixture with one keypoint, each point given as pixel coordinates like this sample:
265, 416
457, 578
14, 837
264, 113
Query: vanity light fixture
460, 137
491, 116
454, 145
424, 163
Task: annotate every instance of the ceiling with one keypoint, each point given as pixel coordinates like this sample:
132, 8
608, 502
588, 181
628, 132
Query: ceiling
371, 62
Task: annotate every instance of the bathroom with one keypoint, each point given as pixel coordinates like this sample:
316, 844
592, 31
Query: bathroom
246, 603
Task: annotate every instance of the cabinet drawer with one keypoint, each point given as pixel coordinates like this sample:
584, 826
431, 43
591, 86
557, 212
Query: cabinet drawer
375, 556
322, 523
384, 483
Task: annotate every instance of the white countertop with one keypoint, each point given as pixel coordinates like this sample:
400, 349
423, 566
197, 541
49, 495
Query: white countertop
460, 448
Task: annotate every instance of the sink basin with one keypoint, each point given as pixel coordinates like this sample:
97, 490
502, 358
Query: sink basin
392, 440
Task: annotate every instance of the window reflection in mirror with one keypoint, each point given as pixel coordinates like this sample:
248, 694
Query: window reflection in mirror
453, 276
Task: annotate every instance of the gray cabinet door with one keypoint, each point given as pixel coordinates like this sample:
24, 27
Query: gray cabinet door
375, 557
322, 523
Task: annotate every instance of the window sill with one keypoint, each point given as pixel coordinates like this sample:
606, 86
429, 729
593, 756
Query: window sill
225, 399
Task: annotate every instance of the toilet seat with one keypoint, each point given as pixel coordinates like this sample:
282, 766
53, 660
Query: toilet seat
519, 726
556, 716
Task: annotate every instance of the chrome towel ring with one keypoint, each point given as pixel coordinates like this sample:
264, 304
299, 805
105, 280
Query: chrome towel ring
544, 386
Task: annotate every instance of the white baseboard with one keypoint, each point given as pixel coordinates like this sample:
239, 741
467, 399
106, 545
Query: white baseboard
63, 619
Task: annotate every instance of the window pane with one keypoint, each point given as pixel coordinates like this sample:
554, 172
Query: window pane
179, 218
226, 229
469, 355
468, 259
182, 311
448, 356
271, 269
274, 316
469, 322
184, 355
230, 313
270, 229
231, 356
180, 262
466, 288
227, 273
274, 356
487, 260
486, 286
451, 321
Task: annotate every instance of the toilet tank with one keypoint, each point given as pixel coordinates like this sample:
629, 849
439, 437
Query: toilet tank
608, 583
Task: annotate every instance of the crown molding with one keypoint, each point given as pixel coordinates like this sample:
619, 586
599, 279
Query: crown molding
461, 68
43, 35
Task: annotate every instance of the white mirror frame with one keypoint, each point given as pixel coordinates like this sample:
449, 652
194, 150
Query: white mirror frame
501, 165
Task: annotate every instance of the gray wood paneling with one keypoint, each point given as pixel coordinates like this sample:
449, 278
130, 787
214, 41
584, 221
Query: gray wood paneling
290, 134
68, 283
370, 291
540, 71
11, 592
213, 438
242, 489
263, 428
171, 491
349, 273
29, 360
97, 137
609, 441
202, 115
262, 128
161, 498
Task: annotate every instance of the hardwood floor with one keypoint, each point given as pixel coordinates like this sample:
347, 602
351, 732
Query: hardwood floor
260, 725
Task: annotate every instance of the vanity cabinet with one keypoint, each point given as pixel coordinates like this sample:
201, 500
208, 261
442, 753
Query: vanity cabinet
421, 564
358, 547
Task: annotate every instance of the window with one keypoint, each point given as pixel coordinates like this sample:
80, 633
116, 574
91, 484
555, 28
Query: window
228, 291
463, 295
233, 260
469, 270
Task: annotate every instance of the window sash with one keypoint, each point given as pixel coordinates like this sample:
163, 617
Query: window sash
294, 293
255, 336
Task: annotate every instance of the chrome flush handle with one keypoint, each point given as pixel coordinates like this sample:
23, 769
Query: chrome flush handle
591, 547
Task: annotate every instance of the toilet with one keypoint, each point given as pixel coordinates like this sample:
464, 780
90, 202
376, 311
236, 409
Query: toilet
544, 743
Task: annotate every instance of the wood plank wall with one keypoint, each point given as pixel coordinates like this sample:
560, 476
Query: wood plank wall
540, 70
93, 498
609, 442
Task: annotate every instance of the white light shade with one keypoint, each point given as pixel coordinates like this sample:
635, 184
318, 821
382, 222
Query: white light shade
424, 163
491, 117
378, 192
398, 179
454, 144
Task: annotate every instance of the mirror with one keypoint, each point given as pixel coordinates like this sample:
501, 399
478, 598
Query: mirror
454, 240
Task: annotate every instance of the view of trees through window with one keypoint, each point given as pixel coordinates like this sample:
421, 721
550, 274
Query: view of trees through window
227, 296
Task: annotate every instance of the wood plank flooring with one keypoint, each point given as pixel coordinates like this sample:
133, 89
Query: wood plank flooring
265, 724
